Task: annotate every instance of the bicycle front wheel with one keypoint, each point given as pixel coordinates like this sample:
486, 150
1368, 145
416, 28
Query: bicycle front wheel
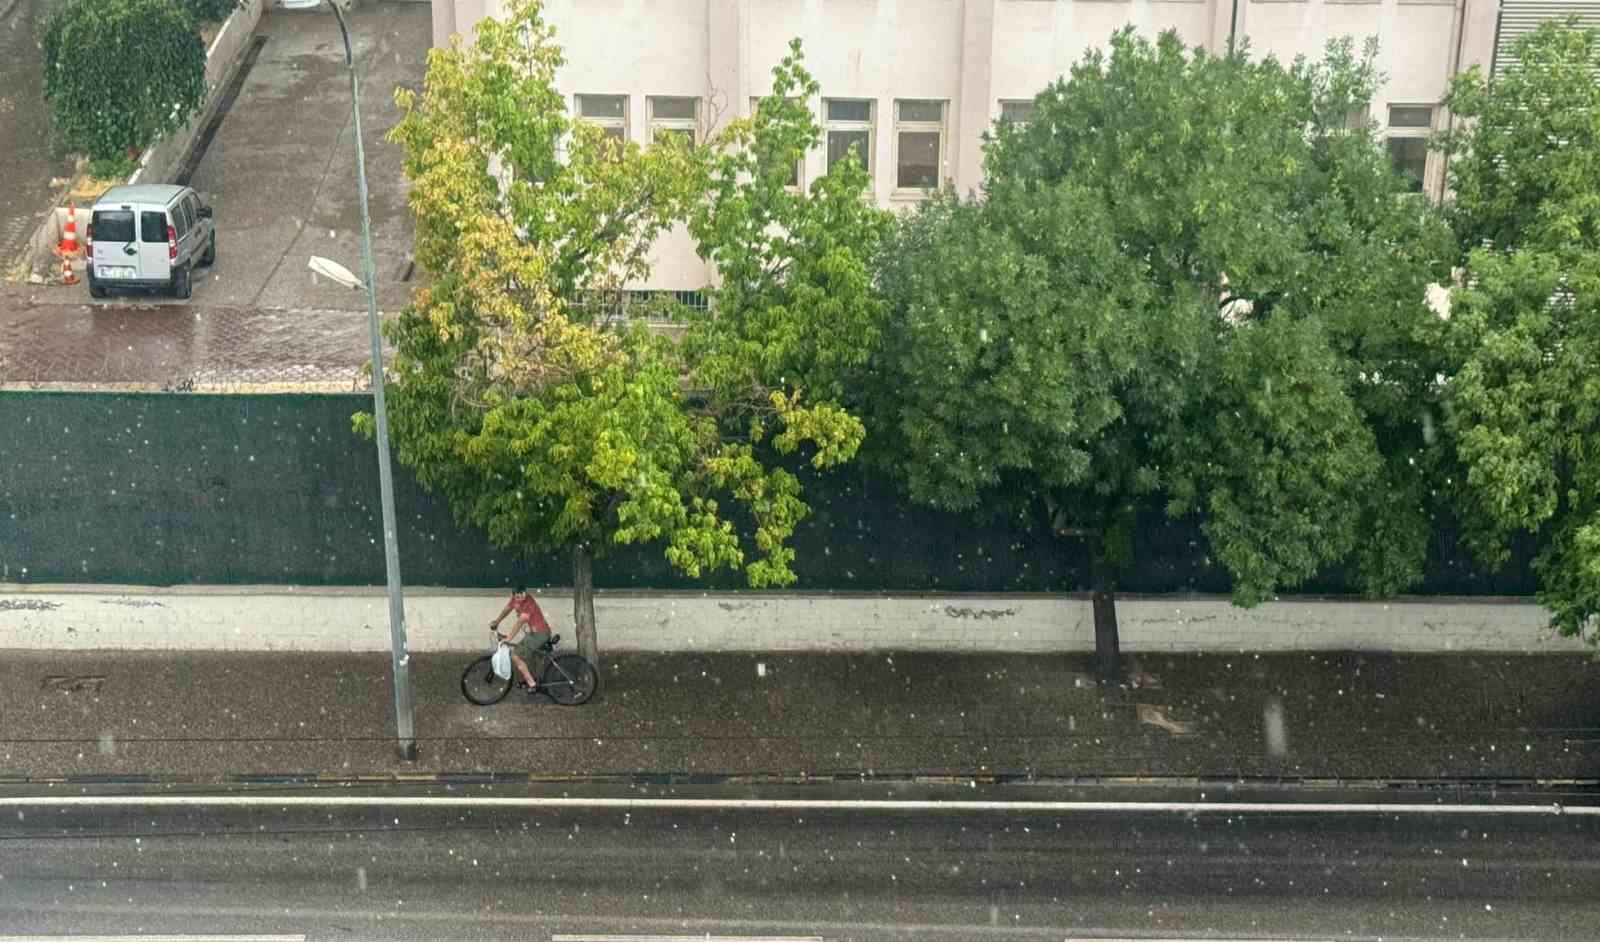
569, 680
480, 685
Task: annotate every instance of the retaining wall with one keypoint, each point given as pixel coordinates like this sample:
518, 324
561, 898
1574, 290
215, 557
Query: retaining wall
278, 619
161, 162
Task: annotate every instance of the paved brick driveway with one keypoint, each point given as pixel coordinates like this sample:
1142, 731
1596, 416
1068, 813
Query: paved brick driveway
49, 341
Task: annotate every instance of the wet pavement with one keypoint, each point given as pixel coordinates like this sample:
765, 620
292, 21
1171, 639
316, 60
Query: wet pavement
25, 193
550, 863
215, 716
280, 174
148, 342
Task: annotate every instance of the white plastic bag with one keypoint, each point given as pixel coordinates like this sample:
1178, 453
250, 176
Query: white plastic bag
501, 662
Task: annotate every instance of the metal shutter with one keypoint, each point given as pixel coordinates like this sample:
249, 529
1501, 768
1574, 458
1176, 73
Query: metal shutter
1518, 18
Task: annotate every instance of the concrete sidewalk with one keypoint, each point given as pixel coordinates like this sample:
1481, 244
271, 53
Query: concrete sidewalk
210, 716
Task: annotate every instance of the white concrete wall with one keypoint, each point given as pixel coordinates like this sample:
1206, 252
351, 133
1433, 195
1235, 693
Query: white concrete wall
971, 53
281, 619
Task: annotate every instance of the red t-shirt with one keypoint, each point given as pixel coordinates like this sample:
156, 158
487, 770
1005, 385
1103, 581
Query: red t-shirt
527, 608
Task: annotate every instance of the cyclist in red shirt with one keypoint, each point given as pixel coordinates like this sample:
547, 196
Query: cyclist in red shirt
531, 632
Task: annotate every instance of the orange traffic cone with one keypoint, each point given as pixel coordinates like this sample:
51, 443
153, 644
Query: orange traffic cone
68, 276
69, 238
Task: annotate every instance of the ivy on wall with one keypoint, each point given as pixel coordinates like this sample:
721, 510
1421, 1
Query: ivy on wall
121, 74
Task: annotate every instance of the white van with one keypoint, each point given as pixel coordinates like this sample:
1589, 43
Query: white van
148, 236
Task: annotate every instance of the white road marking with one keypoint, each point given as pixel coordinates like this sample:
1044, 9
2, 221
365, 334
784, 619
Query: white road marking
152, 938
686, 938
590, 937
784, 804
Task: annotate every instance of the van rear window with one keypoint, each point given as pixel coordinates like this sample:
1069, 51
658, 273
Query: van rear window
152, 227
113, 225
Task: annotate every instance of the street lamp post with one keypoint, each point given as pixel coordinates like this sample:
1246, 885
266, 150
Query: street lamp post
405, 732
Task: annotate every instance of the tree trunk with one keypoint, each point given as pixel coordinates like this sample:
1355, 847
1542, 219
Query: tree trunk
1107, 646
583, 602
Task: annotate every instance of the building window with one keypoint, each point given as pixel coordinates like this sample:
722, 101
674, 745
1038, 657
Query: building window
1016, 112
849, 124
609, 113
919, 144
675, 118
1407, 141
799, 164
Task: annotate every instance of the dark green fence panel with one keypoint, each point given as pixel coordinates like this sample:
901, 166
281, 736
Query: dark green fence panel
166, 489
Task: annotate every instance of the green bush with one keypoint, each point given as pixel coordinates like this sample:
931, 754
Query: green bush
120, 74
209, 11
112, 168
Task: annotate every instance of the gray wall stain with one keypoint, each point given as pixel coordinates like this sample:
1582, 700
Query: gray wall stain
28, 605
134, 603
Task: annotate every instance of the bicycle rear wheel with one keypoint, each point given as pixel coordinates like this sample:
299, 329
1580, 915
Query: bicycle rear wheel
480, 685
569, 679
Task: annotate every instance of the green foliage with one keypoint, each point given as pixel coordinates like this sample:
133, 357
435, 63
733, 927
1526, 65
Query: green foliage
118, 167
1523, 167
1523, 397
120, 74
1185, 276
209, 11
546, 419
795, 317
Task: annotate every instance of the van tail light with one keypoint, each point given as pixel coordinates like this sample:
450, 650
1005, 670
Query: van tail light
172, 244
88, 239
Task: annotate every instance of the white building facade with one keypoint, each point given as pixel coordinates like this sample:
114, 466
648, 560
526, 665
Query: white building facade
916, 82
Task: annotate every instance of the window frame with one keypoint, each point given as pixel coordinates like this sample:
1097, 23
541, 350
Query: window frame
940, 127
656, 124
1014, 102
605, 123
1391, 132
799, 184
829, 125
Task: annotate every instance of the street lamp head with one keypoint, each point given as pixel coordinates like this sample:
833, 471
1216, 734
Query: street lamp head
328, 268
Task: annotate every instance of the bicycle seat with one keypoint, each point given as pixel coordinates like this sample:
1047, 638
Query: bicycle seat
550, 645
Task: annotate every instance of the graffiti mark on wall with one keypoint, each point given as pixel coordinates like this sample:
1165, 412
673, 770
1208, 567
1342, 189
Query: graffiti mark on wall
979, 614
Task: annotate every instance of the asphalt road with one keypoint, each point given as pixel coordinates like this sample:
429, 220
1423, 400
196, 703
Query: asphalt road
535, 871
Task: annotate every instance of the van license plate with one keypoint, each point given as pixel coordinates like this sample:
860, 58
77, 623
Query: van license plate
116, 271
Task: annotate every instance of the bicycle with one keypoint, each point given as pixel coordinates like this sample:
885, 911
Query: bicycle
567, 679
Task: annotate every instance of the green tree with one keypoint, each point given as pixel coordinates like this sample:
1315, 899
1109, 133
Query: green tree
794, 317
1186, 276
120, 74
1523, 395
522, 392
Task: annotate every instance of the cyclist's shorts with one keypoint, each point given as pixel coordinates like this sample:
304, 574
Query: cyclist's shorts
528, 647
